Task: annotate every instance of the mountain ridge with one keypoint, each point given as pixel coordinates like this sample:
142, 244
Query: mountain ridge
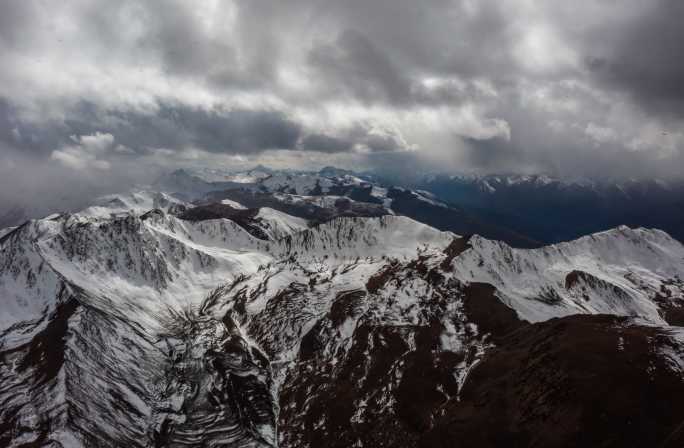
135, 323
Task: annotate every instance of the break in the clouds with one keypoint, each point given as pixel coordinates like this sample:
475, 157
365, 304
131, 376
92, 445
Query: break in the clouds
122, 89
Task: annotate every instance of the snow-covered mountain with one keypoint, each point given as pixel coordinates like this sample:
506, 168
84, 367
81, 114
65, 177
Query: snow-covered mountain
330, 192
149, 320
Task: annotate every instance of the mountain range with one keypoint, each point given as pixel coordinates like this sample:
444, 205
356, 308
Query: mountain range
266, 308
551, 210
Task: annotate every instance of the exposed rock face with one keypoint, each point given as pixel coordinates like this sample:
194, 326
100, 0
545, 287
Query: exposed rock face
211, 325
574, 381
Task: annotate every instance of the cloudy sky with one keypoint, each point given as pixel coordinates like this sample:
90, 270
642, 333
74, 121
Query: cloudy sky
96, 94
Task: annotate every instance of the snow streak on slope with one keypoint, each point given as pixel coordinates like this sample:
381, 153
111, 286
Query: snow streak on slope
278, 224
6, 230
233, 204
27, 284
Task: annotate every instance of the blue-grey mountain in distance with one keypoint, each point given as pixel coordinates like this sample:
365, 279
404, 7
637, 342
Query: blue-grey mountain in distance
551, 210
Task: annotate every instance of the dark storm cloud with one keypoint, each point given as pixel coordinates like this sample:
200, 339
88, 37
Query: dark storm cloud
647, 58
353, 62
435, 36
34, 139
214, 130
386, 48
177, 127
236, 131
325, 143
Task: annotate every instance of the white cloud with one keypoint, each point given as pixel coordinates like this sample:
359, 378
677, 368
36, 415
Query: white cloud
88, 151
541, 50
600, 134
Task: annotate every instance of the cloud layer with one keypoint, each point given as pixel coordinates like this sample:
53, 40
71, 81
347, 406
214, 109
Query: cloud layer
589, 88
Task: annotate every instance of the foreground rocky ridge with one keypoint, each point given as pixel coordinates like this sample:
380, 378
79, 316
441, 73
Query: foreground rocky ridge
150, 326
